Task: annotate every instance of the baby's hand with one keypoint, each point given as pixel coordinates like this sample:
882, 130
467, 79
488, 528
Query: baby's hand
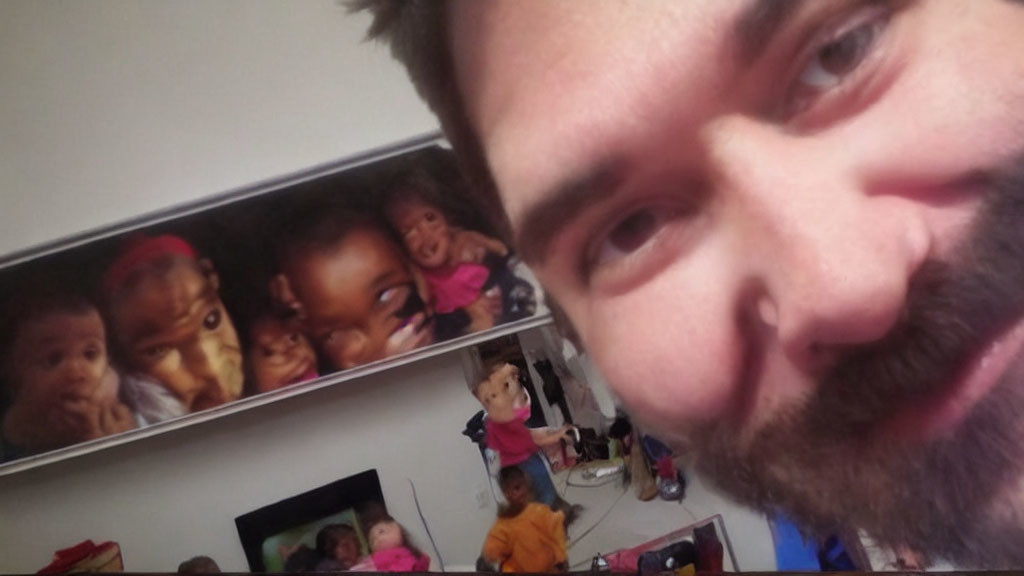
411, 336
76, 419
484, 311
116, 417
82, 419
473, 246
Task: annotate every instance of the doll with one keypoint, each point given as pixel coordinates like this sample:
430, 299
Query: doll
390, 548
508, 408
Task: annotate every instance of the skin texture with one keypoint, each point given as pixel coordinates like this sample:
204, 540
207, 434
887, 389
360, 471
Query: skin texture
280, 354
350, 294
64, 388
765, 244
172, 326
385, 536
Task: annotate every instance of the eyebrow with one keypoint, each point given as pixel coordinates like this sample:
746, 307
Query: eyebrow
752, 30
543, 221
758, 24
152, 330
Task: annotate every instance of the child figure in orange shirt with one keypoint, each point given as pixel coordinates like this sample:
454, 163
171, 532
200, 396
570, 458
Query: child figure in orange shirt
527, 536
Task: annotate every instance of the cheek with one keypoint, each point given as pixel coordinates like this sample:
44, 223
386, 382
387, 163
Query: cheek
98, 368
268, 372
40, 388
670, 349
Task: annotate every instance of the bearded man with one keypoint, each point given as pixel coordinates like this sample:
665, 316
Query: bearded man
788, 232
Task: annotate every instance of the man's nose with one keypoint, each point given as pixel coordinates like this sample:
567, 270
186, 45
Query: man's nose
200, 362
827, 262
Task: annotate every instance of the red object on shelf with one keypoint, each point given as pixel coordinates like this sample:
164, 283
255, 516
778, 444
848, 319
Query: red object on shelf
86, 556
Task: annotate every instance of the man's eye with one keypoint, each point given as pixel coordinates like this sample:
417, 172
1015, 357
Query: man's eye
627, 236
92, 353
836, 58
212, 320
430, 216
293, 338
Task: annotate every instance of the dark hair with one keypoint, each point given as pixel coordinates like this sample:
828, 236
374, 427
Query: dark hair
320, 229
433, 177
329, 536
510, 474
416, 31
198, 565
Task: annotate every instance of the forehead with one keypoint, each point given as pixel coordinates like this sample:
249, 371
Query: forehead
409, 206
539, 78
487, 386
268, 329
160, 285
353, 269
162, 298
62, 327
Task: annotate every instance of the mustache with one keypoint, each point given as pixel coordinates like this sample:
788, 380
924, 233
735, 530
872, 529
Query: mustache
954, 308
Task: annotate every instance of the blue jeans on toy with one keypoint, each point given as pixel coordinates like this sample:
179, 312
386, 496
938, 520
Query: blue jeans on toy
540, 479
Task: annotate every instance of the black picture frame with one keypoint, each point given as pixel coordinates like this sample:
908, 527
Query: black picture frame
351, 493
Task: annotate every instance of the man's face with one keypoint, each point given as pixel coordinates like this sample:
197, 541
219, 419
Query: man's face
173, 327
778, 224
424, 230
358, 299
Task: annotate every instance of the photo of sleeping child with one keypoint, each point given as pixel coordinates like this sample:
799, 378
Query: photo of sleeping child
300, 281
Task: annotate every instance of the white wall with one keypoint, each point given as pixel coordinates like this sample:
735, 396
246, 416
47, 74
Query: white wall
113, 109
117, 108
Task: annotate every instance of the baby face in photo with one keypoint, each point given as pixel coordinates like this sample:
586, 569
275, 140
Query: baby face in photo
359, 298
424, 230
64, 389
279, 354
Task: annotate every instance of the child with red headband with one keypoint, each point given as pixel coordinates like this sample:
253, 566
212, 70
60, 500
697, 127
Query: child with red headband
171, 327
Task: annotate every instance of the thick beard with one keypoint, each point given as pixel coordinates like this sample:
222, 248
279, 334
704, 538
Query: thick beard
824, 464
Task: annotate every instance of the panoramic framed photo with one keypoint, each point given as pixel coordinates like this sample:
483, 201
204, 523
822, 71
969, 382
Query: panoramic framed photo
249, 297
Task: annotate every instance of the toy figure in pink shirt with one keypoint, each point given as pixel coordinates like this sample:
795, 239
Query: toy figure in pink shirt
508, 408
